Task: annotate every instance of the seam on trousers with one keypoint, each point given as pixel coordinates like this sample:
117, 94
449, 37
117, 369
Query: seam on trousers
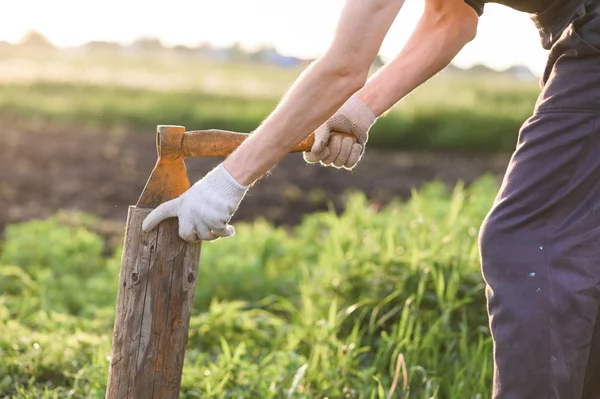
552, 306
585, 148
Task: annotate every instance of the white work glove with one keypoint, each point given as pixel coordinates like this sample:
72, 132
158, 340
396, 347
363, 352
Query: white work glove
354, 118
205, 209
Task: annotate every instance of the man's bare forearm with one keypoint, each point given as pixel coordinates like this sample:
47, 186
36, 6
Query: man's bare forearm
321, 89
436, 40
318, 93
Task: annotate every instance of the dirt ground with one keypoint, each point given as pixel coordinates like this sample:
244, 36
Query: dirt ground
45, 167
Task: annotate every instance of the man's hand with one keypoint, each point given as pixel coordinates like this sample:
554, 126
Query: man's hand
354, 118
320, 90
204, 210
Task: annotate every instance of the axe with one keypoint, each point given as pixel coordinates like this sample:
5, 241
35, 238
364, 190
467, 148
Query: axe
158, 273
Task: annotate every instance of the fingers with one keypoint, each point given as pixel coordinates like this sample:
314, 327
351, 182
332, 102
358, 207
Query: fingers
166, 210
201, 232
314, 157
345, 150
187, 230
335, 146
342, 152
226, 231
205, 233
354, 157
319, 149
193, 233
321, 139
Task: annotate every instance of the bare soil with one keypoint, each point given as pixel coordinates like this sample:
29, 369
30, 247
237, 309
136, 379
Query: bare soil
46, 167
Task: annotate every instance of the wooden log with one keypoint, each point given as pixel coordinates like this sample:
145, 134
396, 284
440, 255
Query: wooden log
154, 301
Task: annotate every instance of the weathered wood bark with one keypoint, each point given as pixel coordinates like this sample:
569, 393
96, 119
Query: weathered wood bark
158, 274
154, 300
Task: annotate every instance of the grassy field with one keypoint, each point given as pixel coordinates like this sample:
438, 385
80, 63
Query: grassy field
337, 307
450, 112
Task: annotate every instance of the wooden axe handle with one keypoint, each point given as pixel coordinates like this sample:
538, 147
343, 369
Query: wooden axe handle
221, 143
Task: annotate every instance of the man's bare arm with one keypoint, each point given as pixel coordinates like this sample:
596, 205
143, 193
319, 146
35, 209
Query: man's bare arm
444, 29
320, 90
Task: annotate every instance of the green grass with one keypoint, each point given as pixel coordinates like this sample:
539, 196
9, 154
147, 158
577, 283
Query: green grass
450, 114
323, 310
119, 106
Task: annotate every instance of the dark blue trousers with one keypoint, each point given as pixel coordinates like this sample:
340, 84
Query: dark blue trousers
540, 242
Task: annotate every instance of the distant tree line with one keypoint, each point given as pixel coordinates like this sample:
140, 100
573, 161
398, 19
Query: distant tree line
265, 54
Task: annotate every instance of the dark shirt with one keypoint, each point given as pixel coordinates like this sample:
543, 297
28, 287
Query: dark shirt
551, 17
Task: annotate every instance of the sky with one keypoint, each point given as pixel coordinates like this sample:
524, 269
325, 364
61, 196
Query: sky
300, 28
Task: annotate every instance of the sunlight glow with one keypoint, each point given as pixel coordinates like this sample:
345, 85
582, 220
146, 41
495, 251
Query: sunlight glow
296, 27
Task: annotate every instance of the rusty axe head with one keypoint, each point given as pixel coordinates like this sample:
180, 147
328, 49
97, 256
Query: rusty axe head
169, 177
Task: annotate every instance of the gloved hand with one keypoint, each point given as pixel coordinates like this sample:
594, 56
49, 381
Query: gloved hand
205, 209
355, 118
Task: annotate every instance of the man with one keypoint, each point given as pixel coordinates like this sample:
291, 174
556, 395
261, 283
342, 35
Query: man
540, 243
